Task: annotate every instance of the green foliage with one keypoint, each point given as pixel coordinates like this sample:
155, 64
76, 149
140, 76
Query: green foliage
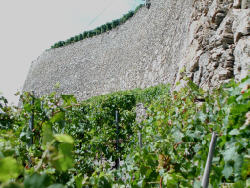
75, 144
101, 29
104, 28
6, 118
8, 169
36, 180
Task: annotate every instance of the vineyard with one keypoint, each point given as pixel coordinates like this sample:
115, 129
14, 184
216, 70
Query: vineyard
58, 142
99, 30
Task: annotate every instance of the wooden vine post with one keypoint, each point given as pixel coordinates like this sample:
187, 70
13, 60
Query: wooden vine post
117, 139
140, 139
31, 120
205, 178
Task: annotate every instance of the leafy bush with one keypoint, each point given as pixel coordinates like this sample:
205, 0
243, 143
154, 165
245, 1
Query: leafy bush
6, 119
104, 28
109, 26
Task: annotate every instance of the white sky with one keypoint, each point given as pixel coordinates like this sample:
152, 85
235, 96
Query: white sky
28, 27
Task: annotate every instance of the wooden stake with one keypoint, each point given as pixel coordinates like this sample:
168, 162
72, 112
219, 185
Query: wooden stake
31, 121
205, 178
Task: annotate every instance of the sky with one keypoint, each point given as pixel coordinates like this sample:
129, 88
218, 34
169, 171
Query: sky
28, 27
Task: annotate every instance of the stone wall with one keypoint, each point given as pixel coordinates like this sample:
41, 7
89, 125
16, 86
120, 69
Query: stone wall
218, 47
144, 51
204, 40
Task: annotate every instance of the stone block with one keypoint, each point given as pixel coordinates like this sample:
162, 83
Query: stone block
237, 4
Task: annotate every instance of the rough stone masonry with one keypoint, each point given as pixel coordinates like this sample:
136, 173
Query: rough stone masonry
218, 47
204, 40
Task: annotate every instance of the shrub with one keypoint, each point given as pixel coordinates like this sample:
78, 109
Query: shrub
85, 34
103, 28
115, 23
109, 26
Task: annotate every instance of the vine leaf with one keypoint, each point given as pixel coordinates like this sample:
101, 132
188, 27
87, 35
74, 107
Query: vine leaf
227, 171
64, 138
9, 169
234, 132
36, 180
47, 134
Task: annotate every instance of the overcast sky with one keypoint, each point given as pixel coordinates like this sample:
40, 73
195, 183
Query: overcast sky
28, 27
